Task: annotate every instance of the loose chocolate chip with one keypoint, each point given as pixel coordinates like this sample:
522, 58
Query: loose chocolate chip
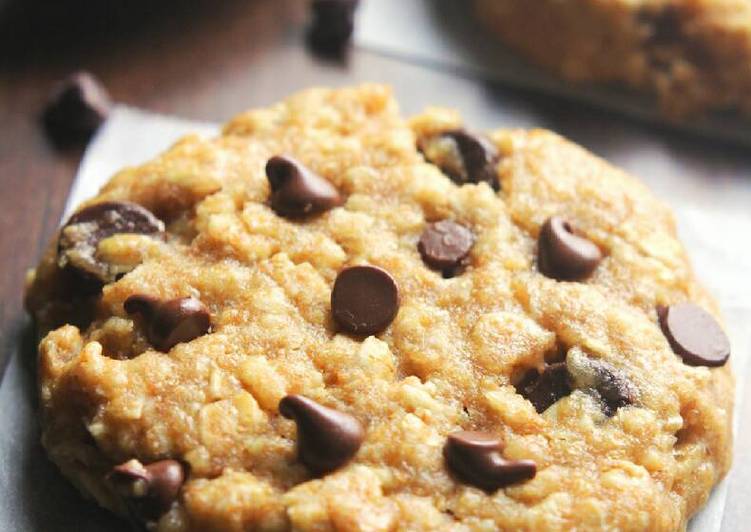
170, 322
79, 238
297, 191
444, 245
333, 23
326, 438
364, 300
475, 458
609, 385
544, 389
149, 489
563, 255
77, 107
694, 335
464, 157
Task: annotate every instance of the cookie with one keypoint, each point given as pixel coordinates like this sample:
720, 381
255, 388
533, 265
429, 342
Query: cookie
693, 55
330, 317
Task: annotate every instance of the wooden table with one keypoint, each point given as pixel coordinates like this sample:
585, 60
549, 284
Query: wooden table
208, 60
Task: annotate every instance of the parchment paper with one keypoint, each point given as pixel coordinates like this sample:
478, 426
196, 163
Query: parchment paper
36, 497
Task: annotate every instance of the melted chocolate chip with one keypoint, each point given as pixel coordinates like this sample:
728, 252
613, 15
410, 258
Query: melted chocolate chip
365, 300
171, 322
80, 236
475, 458
444, 245
546, 388
76, 109
608, 384
615, 391
149, 489
297, 191
563, 255
333, 22
326, 438
463, 156
694, 335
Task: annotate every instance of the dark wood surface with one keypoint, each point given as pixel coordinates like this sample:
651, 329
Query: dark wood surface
207, 60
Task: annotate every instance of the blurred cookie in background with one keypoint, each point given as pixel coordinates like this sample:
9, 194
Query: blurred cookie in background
695, 56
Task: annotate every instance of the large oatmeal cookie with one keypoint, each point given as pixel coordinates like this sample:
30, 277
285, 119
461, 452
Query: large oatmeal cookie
330, 318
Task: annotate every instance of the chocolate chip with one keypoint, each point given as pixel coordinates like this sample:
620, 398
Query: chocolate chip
297, 191
563, 255
463, 156
364, 300
546, 388
608, 384
333, 23
326, 438
614, 390
170, 322
694, 335
663, 25
475, 458
149, 489
77, 107
444, 245
79, 238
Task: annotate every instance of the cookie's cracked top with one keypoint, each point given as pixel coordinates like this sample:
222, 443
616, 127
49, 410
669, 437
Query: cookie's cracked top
332, 318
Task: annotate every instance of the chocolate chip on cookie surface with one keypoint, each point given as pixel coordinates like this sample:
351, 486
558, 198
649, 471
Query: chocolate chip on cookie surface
564, 255
296, 190
170, 322
463, 156
326, 438
364, 300
544, 388
444, 245
308, 367
149, 489
78, 243
694, 335
476, 458
599, 378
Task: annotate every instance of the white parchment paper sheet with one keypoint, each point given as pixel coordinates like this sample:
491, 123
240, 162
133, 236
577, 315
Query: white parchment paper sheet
131, 137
